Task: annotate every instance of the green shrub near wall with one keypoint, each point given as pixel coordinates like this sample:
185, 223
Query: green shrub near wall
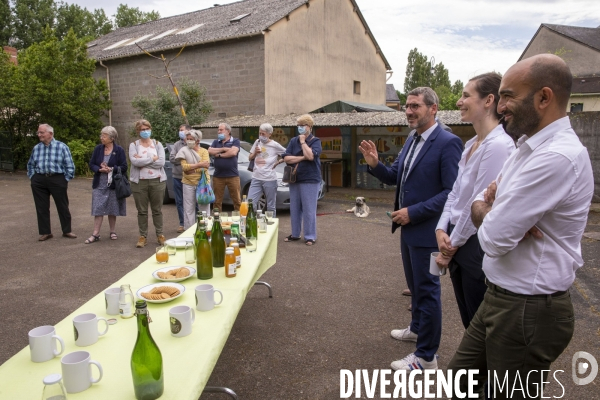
81, 151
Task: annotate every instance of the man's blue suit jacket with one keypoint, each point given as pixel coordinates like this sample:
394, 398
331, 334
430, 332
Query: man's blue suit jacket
427, 185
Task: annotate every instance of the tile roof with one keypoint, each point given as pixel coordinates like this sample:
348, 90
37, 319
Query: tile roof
390, 93
214, 26
396, 118
586, 84
587, 36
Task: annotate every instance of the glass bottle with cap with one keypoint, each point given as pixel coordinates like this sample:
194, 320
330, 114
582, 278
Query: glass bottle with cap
237, 254
126, 302
217, 242
54, 388
230, 264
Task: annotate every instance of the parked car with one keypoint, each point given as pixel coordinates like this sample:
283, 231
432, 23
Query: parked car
283, 191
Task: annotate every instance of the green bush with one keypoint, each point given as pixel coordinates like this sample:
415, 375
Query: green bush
82, 150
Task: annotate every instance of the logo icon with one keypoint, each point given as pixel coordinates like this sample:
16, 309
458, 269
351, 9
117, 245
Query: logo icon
582, 367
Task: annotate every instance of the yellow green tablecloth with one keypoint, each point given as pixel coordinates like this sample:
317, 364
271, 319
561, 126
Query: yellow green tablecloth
188, 362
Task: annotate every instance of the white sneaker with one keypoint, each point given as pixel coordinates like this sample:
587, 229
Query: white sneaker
404, 335
412, 362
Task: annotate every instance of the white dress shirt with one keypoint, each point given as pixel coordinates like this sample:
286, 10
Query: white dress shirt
473, 177
546, 182
424, 137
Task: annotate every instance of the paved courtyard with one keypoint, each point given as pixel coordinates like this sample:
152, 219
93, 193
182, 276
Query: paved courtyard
334, 303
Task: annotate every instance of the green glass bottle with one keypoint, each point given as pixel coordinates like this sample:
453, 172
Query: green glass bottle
197, 233
204, 264
146, 360
251, 222
217, 242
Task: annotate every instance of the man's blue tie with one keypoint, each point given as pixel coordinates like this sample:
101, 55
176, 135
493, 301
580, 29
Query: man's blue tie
416, 140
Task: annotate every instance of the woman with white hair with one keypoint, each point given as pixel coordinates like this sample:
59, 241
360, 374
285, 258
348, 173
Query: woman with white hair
105, 158
194, 162
265, 152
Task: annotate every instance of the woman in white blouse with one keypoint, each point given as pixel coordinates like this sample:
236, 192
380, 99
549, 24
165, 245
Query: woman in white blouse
479, 165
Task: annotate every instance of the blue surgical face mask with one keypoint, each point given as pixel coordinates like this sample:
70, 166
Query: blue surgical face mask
221, 136
263, 139
182, 135
301, 130
145, 134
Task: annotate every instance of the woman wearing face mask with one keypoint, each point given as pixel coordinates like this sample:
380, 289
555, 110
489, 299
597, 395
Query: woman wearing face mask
148, 180
265, 153
480, 164
178, 173
194, 162
304, 151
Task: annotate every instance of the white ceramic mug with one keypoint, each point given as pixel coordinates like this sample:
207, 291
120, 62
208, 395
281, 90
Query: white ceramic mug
85, 328
111, 297
181, 319
433, 267
77, 371
205, 297
42, 343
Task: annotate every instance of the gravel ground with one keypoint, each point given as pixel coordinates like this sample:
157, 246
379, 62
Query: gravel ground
334, 303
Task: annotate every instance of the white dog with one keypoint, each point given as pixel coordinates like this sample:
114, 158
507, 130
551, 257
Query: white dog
361, 209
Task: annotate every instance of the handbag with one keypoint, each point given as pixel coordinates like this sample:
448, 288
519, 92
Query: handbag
251, 163
122, 185
289, 174
204, 192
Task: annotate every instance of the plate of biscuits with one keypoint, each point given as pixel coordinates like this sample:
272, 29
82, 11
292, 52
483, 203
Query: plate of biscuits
160, 292
173, 274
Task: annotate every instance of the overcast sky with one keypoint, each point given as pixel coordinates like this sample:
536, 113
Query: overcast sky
469, 36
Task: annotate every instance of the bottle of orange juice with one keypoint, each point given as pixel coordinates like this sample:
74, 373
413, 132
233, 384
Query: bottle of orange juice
243, 213
237, 254
230, 265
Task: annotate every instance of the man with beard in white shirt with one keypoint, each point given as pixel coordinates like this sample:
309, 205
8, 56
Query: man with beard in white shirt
531, 220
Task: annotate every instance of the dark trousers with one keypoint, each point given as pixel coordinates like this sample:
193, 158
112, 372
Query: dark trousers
43, 187
513, 334
426, 304
468, 279
178, 189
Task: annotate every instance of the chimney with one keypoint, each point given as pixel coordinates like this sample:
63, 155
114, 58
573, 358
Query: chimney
12, 52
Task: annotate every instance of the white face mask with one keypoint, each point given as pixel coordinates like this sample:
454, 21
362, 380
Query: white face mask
191, 143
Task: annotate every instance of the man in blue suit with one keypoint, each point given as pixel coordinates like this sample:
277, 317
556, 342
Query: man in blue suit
424, 174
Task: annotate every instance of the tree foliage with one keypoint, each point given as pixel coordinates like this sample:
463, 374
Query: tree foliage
162, 109
419, 72
88, 25
52, 84
130, 16
22, 24
5, 22
30, 17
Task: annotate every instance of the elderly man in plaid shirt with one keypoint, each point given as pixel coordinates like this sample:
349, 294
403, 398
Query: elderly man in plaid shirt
50, 168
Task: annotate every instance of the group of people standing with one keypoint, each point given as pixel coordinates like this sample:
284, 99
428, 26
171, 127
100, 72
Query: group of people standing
51, 167
507, 220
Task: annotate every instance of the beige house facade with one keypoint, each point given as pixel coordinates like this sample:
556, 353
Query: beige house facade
254, 57
580, 48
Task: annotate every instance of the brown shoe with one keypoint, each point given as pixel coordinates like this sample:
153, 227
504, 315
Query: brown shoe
70, 235
161, 239
43, 238
409, 308
180, 229
141, 242
406, 292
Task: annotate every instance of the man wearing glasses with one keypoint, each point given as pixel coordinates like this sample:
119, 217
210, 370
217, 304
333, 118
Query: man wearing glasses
424, 174
50, 168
